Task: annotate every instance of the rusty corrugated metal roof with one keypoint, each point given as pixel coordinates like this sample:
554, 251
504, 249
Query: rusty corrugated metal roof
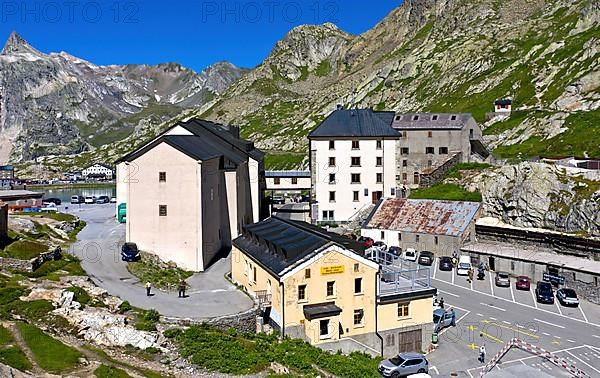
423, 216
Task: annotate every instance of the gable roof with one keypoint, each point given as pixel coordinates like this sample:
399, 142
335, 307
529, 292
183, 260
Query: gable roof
279, 245
287, 173
423, 216
208, 140
428, 121
503, 102
356, 123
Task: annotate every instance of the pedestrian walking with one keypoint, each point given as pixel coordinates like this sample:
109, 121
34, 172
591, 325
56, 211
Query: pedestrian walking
470, 275
148, 288
442, 302
453, 318
482, 354
182, 286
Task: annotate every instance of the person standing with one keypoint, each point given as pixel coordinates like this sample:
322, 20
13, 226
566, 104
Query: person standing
442, 302
470, 275
453, 324
482, 354
148, 288
182, 286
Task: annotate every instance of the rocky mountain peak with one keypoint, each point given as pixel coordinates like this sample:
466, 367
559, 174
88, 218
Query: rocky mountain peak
17, 44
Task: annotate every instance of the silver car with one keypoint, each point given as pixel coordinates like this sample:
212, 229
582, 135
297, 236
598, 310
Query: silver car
502, 279
441, 319
403, 365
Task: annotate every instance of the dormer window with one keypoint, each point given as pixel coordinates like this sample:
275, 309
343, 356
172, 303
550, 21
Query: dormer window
416, 117
398, 117
434, 117
453, 117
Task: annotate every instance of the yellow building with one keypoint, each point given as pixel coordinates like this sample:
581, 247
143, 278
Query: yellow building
316, 286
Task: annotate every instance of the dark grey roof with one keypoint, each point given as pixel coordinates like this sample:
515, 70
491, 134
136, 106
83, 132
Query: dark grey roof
503, 102
277, 244
287, 173
201, 149
427, 121
355, 123
321, 310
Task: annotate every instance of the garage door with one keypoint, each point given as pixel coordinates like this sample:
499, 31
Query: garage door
409, 341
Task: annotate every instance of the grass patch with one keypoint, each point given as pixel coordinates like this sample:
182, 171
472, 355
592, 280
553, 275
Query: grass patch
248, 353
449, 192
148, 268
147, 320
50, 354
105, 371
284, 160
24, 249
10, 353
323, 69
454, 172
68, 265
61, 217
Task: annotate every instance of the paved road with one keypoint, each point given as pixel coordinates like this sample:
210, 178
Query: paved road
98, 246
491, 316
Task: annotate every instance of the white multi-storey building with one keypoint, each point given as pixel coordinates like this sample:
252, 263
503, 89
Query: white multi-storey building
98, 171
353, 163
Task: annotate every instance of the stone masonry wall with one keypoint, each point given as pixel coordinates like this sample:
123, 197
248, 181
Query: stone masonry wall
33, 264
430, 178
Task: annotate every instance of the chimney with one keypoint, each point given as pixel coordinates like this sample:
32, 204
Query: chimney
339, 106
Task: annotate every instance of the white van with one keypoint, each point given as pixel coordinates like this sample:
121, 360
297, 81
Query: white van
464, 265
410, 254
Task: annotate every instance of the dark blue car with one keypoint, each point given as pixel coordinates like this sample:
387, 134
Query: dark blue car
544, 292
130, 252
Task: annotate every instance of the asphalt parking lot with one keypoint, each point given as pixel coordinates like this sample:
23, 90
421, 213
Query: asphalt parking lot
492, 316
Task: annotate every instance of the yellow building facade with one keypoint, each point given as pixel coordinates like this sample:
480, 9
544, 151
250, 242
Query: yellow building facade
313, 285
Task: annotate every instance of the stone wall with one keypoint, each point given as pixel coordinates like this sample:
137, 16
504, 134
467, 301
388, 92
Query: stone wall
429, 178
3, 221
33, 264
242, 322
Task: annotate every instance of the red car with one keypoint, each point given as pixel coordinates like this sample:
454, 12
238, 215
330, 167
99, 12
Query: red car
523, 283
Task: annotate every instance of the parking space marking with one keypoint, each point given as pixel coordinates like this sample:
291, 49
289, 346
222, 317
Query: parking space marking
492, 306
548, 323
453, 274
583, 314
585, 363
512, 294
534, 300
435, 266
448, 293
491, 286
558, 307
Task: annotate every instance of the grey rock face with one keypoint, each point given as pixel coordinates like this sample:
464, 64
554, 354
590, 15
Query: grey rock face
60, 104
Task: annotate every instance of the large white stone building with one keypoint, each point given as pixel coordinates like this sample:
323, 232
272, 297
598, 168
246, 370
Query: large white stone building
98, 170
190, 191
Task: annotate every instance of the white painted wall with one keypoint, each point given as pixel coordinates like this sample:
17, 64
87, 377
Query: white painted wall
285, 183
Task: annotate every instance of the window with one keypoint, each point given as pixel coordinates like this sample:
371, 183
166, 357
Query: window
246, 268
355, 178
443, 150
366, 192
392, 192
398, 118
403, 310
276, 181
382, 235
355, 196
429, 150
453, 117
435, 240
379, 161
416, 117
328, 215
416, 177
162, 176
404, 151
355, 145
162, 210
355, 161
324, 329
417, 238
330, 288
358, 285
358, 317
306, 273
429, 163
332, 178
429, 134
404, 134
301, 292
356, 267
404, 176
294, 180
399, 236
331, 196
332, 162
379, 178
332, 144
405, 163
379, 144
254, 274
434, 117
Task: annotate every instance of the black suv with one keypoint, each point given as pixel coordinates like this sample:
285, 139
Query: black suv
426, 258
544, 292
130, 252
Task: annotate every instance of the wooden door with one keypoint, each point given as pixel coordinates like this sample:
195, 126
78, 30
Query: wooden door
410, 341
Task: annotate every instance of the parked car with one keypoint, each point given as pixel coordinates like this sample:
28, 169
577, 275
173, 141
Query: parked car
113, 199
441, 319
396, 251
90, 200
410, 254
523, 283
55, 201
464, 265
544, 292
366, 241
445, 263
50, 208
103, 199
380, 244
77, 199
426, 258
567, 297
403, 365
130, 252
502, 279
278, 200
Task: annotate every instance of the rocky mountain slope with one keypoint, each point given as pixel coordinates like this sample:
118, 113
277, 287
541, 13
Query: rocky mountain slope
59, 104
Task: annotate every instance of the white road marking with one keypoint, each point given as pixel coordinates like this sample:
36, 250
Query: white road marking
583, 314
571, 341
512, 294
533, 330
505, 322
492, 287
492, 306
545, 322
557, 337
558, 307
494, 319
585, 363
435, 267
478, 314
596, 336
451, 294
435, 369
453, 274
534, 300
545, 333
520, 326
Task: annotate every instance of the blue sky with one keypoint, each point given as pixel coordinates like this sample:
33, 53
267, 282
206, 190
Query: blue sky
191, 32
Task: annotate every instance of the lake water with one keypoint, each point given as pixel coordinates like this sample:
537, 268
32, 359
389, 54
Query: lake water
65, 194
